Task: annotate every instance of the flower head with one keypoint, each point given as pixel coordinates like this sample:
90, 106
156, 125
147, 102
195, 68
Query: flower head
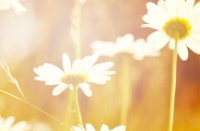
175, 21
8, 125
89, 127
40, 126
125, 45
12, 4
77, 74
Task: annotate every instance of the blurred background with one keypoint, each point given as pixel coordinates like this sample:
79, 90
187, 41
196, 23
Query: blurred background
42, 34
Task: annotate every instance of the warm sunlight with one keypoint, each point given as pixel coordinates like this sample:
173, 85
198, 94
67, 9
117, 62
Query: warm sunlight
99, 65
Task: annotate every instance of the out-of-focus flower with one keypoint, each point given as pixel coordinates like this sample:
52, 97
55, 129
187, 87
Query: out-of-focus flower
79, 73
125, 45
40, 126
89, 127
174, 20
8, 125
12, 4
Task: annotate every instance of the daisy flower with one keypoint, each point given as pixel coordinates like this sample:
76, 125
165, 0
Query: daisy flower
89, 127
8, 125
125, 45
40, 126
12, 4
79, 73
175, 21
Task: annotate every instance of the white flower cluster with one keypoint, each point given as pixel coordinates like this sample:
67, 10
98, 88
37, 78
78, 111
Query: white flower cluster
126, 44
89, 127
12, 4
8, 125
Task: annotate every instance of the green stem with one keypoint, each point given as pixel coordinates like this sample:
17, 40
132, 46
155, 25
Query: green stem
19, 89
173, 87
77, 107
5, 67
125, 89
73, 116
69, 111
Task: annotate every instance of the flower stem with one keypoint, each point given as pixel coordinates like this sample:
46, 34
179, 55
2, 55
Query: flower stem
77, 107
173, 87
73, 116
76, 27
69, 111
125, 89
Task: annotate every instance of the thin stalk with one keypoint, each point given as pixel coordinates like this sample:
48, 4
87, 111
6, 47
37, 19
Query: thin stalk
173, 87
125, 89
5, 67
19, 89
77, 107
69, 111
33, 106
76, 27
73, 114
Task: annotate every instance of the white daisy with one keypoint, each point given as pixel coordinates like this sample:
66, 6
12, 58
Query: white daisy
40, 126
79, 73
174, 20
125, 45
89, 127
12, 4
8, 125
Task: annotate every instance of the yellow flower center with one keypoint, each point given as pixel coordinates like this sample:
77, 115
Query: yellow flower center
177, 28
74, 79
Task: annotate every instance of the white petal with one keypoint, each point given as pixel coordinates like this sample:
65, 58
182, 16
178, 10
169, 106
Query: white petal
66, 63
172, 44
76, 65
156, 16
20, 126
77, 128
48, 71
104, 128
89, 127
182, 51
86, 89
102, 66
51, 81
5, 4
104, 48
190, 3
9, 121
58, 90
89, 62
18, 7
158, 39
97, 81
172, 7
143, 49
119, 128
126, 39
193, 44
